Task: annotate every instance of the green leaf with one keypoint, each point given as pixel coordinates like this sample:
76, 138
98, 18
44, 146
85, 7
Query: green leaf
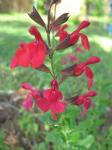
87, 142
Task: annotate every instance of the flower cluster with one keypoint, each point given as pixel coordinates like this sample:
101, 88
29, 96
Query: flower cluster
34, 53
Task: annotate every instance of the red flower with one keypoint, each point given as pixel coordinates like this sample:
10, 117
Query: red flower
52, 100
85, 100
74, 37
33, 94
30, 54
83, 25
82, 67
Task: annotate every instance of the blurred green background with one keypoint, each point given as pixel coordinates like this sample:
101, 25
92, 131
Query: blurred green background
36, 131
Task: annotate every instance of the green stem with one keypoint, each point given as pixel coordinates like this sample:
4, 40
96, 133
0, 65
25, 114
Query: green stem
51, 55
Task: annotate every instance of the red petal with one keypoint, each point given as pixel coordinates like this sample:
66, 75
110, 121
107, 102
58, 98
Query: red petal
90, 76
43, 104
91, 93
83, 25
33, 30
14, 63
79, 69
52, 95
62, 35
28, 103
38, 54
85, 41
34, 92
57, 108
80, 100
27, 86
23, 56
74, 37
89, 73
87, 103
93, 60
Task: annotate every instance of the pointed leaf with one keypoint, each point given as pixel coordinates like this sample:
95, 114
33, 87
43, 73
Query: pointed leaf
34, 15
54, 1
72, 99
68, 71
60, 20
64, 44
44, 68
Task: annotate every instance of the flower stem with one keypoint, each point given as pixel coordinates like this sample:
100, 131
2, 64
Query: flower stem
51, 54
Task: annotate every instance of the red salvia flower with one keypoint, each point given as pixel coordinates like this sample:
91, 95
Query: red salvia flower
52, 100
82, 67
83, 24
30, 54
85, 100
74, 37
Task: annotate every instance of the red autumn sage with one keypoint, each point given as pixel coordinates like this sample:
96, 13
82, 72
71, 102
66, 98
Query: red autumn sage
67, 40
30, 54
80, 68
85, 100
52, 100
76, 34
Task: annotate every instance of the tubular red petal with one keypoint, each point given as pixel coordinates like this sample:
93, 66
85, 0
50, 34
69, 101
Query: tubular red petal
90, 76
85, 42
93, 60
89, 73
74, 37
27, 86
80, 100
62, 35
83, 25
79, 69
28, 103
87, 103
91, 93
33, 30
43, 104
